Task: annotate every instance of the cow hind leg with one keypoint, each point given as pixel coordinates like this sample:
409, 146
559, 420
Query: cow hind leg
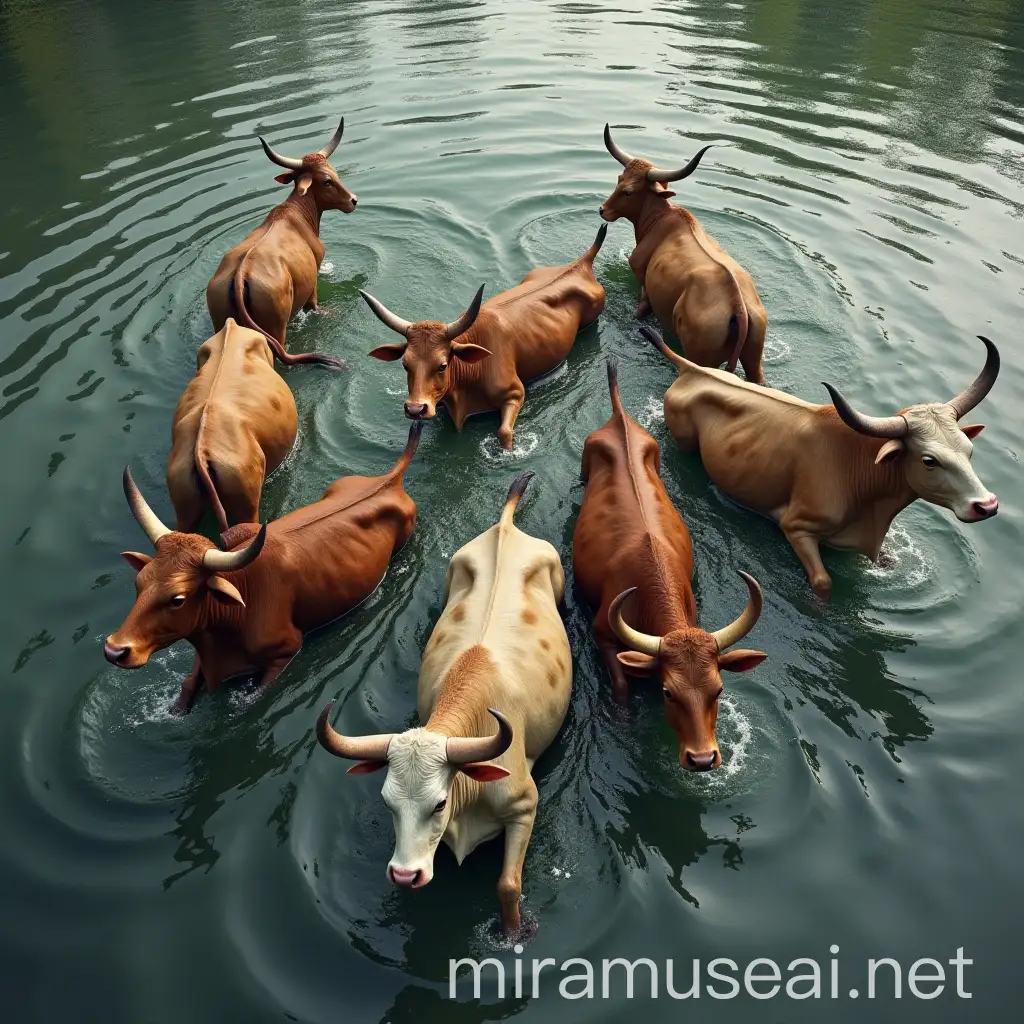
643, 307
510, 883
806, 547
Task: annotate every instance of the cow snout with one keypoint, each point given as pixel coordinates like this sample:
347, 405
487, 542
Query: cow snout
984, 509
115, 653
415, 410
406, 879
703, 762
355, 201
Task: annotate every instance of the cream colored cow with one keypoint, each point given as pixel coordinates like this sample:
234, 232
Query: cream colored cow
499, 649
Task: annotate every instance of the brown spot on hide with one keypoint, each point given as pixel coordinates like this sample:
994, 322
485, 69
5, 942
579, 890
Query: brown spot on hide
529, 616
544, 644
459, 612
275, 403
552, 678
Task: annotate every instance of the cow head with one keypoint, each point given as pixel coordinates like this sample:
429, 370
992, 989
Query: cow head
422, 767
640, 181
428, 353
935, 451
174, 586
689, 663
313, 174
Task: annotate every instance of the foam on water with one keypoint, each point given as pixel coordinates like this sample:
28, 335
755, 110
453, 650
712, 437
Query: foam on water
902, 561
776, 351
652, 414
526, 442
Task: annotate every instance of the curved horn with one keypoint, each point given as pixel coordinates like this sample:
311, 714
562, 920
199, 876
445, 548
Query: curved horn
385, 316
659, 174
873, 426
466, 749
457, 327
967, 400
232, 561
144, 515
355, 748
632, 638
621, 155
335, 139
282, 161
737, 630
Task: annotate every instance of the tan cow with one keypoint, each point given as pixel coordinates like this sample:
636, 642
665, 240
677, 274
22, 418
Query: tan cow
498, 650
828, 474
272, 274
246, 608
632, 559
693, 285
233, 426
479, 362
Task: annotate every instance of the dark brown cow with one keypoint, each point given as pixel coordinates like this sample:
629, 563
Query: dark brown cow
632, 559
234, 424
244, 613
265, 279
693, 285
479, 362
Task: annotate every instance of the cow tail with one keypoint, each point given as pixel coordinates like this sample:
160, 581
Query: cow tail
592, 252
202, 463
240, 287
613, 386
655, 338
515, 492
415, 432
738, 324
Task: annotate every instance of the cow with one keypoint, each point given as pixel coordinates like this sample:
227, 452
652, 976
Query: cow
632, 560
233, 426
265, 279
245, 608
693, 285
828, 473
499, 650
478, 363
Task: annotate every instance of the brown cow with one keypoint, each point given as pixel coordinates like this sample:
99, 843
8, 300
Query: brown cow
632, 558
265, 279
693, 285
479, 362
234, 424
244, 613
828, 474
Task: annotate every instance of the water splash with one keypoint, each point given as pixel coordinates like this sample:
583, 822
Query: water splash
902, 561
526, 443
652, 414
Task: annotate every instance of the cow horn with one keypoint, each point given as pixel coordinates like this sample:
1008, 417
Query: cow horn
873, 426
967, 400
737, 630
658, 174
282, 161
144, 515
621, 155
385, 316
335, 139
470, 749
355, 748
232, 561
632, 638
457, 327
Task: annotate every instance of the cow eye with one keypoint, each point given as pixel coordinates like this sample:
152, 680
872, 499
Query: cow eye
177, 601
627, 191
442, 368
930, 461
665, 693
441, 804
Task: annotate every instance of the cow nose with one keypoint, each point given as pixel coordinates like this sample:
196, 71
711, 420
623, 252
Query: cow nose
415, 410
355, 200
701, 762
114, 653
985, 509
405, 879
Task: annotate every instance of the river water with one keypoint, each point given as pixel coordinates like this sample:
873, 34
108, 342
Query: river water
868, 171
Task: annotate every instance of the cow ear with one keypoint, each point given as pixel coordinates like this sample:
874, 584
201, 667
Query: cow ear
470, 353
659, 189
973, 430
366, 767
285, 179
136, 559
222, 588
388, 353
890, 450
303, 183
637, 662
740, 661
484, 772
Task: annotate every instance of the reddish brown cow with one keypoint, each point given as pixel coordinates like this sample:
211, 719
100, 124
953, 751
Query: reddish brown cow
265, 279
632, 559
244, 613
693, 285
234, 424
479, 362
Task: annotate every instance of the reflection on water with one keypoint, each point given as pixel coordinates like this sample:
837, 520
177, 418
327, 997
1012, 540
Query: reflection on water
868, 169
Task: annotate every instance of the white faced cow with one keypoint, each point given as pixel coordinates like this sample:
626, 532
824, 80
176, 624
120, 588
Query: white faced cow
499, 644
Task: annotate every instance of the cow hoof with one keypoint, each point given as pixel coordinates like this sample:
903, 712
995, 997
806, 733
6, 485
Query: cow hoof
507, 441
178, 708
642, 310
822, 589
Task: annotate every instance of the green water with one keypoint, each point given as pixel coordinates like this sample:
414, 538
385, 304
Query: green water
868, 171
